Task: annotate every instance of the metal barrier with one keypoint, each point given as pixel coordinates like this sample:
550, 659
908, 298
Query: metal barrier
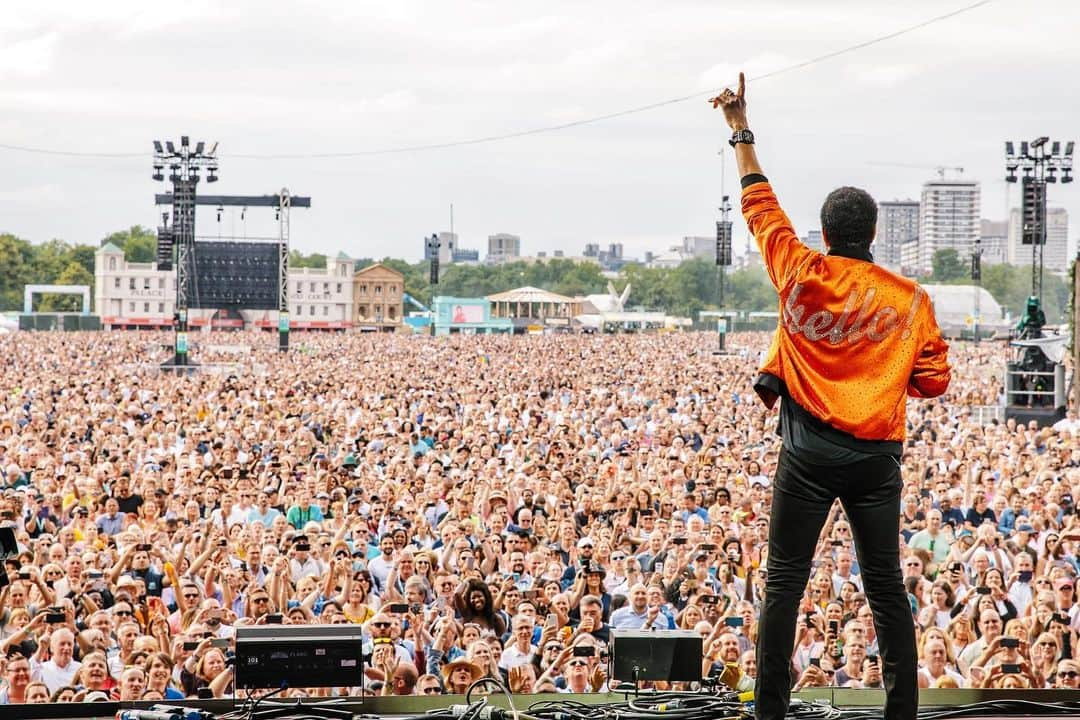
981, 414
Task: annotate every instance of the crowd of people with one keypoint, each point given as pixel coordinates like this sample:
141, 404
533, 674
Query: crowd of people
488, 506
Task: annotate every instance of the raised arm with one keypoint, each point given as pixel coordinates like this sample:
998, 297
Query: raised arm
780, 246
734, 107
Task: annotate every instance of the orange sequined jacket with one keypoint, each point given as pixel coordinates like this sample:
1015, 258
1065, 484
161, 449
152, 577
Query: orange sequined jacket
853, 340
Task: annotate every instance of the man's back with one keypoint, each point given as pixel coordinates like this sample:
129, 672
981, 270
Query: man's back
855, 339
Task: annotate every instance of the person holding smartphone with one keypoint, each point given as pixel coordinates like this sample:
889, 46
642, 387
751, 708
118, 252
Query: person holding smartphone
854, 340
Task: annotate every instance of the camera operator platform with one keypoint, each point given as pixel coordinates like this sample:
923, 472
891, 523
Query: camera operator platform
1035, 377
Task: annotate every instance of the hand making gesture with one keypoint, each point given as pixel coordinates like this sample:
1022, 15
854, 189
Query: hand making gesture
733, 105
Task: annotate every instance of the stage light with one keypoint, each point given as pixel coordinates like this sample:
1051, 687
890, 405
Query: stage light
213, 149
1069, 148
1066, 176
183, 140
157, 147
170, 147
1010, 178
1010, 150
1055, 148
1024, 148
199, 147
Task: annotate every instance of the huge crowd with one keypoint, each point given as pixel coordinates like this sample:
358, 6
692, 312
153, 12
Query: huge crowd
488, 506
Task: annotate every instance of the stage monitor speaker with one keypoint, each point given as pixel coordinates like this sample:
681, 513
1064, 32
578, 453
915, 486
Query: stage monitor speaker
45, 321
299, 656
670, 655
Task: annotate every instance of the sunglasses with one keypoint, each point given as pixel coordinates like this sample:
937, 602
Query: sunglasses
1066, 588
123, 613
1068, 674
431, 691
577, 663
380, 624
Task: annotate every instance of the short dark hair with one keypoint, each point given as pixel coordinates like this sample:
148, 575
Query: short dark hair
849, 218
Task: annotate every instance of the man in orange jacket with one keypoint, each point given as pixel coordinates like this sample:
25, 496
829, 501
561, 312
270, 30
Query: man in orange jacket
853, 341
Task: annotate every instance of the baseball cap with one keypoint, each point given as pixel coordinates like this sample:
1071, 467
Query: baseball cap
585, 542
1024, 528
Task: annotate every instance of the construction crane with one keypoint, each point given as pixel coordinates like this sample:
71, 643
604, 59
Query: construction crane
939, 169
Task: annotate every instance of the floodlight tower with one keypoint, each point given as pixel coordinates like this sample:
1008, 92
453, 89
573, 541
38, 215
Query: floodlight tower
723, 250
1039, 162
185, 164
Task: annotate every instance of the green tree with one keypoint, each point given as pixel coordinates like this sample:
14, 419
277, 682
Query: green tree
73, 274
947, 266
16, 258
138, 243
298, 259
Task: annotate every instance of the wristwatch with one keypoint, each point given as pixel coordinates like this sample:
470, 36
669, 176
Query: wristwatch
741, 136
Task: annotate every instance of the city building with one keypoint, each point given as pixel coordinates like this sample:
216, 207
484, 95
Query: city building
948, 218
448, 245
611, 259
138, 295
699, 246
466, 255
909, 258
378, 292
993, 241
1055, 252
898, 223
814, 240
503, 248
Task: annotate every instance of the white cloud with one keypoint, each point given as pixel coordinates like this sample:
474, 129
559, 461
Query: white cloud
883, 76
31, 57
270, 76
726, 74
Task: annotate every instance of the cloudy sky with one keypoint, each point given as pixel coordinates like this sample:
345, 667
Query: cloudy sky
306, 79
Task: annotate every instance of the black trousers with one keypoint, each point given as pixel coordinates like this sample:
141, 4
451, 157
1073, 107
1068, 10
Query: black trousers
802, 496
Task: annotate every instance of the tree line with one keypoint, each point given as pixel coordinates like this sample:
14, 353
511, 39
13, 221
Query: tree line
692, 286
